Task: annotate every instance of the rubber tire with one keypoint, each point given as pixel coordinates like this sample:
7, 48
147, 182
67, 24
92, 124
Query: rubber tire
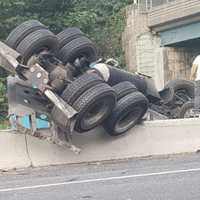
21, 31
180, 84
184, 108
79, 86
101, 92
68, 35
128, 103
37, 41
77, 48
118, 76
124, 88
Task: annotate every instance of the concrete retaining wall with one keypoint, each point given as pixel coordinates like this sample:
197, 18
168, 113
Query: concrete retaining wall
13, 151
151, 138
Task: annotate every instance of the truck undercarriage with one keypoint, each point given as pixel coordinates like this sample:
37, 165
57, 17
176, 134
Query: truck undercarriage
59, 80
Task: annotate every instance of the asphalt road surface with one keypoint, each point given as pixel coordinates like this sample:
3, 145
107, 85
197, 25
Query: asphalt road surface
169, 178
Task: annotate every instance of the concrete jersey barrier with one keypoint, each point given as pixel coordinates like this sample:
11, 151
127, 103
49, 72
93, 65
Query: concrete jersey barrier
149, 139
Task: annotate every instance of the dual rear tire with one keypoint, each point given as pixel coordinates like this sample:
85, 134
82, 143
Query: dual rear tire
74, 44
129, 110
32, 37
92, 98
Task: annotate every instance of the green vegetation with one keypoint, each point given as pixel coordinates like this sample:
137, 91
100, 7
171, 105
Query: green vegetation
3, 99
102, 20
4, 125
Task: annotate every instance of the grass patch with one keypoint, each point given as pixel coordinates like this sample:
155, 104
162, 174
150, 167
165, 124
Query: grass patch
4, 125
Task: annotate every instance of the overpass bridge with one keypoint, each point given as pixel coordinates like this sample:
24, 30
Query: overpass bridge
177, 22
162, 37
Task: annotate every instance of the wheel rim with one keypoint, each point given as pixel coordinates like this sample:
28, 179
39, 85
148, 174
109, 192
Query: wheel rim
128, 119
87, 53
96, 113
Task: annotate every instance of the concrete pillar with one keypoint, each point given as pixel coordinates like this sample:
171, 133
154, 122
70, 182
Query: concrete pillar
136, 23
142, 48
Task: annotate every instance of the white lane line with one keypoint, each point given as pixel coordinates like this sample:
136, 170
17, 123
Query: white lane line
99, 180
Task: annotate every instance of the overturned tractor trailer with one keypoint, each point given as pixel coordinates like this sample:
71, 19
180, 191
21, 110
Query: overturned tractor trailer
58, 82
